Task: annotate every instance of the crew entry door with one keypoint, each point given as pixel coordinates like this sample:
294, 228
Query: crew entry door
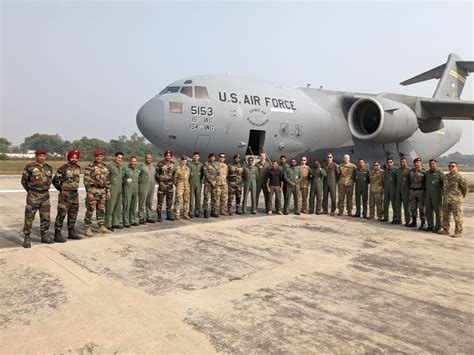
256, 142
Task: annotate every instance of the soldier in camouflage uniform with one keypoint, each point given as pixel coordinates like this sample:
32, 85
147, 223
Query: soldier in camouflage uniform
113, 207
402, 194
316, 181
182, 188
293, 179
345, 185
66, 181
263, 166
250, 185
362, 180
222, 183
36, 180
211, 188
131, 180
417, 181
433, 197
376, 191
329, 184
236, 175
389, 188
454, 190
195, 185
165, 176
97, 184
146, 190
305, 171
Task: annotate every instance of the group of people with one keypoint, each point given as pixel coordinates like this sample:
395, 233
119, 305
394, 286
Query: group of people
122, 196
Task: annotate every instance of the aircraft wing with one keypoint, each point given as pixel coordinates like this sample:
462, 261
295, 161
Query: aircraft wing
427, 108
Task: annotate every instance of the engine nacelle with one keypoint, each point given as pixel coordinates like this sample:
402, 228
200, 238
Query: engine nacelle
380, 120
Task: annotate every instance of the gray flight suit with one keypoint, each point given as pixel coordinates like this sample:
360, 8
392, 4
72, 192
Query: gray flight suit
316, 190
402, 196
362, 180
195, 184
293, 179
434, 198
113, 206
250, 185
146, 191
389, 189
130, 195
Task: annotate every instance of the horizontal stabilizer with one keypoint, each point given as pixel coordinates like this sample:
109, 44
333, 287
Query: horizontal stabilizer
467, 66
447, 109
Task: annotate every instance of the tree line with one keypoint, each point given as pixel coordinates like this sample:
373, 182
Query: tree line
135, 145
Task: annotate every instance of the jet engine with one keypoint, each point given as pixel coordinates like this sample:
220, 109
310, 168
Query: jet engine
380, 120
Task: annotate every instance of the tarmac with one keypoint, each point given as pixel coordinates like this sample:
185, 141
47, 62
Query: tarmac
252, 284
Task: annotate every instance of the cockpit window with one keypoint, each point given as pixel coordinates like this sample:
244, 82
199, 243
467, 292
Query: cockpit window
169, 90
187, 90
201, 92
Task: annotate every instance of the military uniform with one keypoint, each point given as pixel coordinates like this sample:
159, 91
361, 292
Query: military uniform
402, 196
305, 171
211, 175
434, 198
283, 167
417, 180
376, 193
316, 190
165, 177
146, 192
454, 190
182, 191
36, 180
329, 186
131, 180
113, 207
261, 184
223, 187
362, 180
389, 189
345, 187
66, 181
293, 179
97, 183
195, 185
250, 185
236, 174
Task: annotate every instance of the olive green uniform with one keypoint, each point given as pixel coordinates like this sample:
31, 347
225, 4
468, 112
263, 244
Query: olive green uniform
113, 207
329, 186
417, 180
250, 185
195, 186
293, 179
402, 196
434, 198
316, 190
362, 180
146, 191
389, 189
454, 191
130, 195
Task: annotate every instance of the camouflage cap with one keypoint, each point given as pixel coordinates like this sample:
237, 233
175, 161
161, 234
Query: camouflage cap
41, 151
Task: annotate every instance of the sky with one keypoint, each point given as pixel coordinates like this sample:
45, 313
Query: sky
84, 68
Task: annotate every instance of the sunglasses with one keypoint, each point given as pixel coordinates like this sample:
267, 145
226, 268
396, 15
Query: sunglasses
329, 156
221, 156
452, 166
376, 164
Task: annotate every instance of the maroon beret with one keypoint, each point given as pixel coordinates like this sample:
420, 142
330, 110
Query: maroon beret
98, 152
41, 151
416, 159
73, 153
168, 152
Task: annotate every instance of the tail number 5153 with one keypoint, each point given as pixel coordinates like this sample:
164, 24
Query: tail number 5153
202, 111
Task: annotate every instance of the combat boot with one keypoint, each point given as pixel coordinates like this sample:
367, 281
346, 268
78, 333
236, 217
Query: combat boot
45, 238
27, 241
158, 217
58, 238
229, 211
103, 229
72, 234
412, 224
206, 214
422, 225
214, 213
237, 210
223, 212
444, 232
88, 231
169, 216
177, 217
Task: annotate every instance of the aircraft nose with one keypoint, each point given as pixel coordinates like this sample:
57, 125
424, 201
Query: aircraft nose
150, 119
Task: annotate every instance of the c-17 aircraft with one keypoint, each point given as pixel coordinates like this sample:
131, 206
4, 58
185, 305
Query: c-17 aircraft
236, 115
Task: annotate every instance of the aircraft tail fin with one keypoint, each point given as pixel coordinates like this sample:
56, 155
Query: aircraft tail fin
452, 75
